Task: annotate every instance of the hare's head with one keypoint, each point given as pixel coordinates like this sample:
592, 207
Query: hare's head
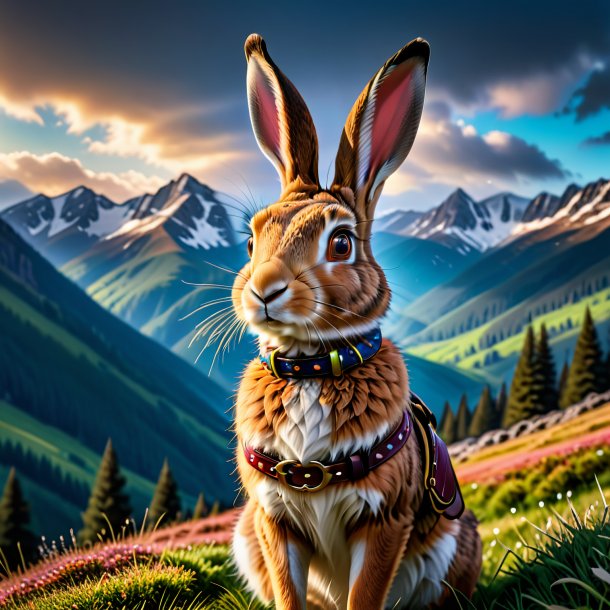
312, 278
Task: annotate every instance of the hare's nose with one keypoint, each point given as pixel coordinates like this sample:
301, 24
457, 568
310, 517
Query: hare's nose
266, 296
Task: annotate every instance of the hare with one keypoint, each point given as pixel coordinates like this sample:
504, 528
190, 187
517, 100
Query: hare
336, 457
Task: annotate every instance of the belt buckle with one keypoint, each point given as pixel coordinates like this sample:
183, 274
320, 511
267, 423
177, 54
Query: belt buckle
281, 471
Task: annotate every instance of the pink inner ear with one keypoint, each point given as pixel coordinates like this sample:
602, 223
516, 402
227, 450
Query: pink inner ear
267, 116
392, 104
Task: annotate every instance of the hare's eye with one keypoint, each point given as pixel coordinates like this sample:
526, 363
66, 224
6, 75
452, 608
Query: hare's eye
339, 246
250, 246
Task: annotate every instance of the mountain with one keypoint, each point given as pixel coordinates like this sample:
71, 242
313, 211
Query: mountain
12, 191
414, 266
436, 383
577, 206
144, 260
396, 221
64, 226
546, 271
462, 223
71, 224
73, 375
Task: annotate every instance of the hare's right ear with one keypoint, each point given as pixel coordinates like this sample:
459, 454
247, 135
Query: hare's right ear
381, 127
280, 119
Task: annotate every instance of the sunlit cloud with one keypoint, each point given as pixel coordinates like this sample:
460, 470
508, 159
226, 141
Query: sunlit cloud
453, 153
169, 139
55, 173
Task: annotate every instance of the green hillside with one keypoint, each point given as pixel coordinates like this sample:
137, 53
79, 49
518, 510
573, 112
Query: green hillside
155, 286
435, 383
495, 361
72, 375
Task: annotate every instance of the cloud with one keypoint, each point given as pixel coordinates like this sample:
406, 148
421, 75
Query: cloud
447, 152
535, 94
175, 140
603, 140
171, 88
54, 173
593, 96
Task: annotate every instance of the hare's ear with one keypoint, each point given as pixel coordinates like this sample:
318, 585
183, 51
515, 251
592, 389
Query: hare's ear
280, 119
382, 124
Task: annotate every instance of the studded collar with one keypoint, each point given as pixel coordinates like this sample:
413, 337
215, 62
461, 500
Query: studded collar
323, 365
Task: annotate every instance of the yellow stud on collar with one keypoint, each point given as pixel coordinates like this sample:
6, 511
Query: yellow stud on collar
272, 361
335, 363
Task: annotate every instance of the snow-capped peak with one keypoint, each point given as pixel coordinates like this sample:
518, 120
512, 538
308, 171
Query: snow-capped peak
78, 210
577, 205
479, 225
189, 211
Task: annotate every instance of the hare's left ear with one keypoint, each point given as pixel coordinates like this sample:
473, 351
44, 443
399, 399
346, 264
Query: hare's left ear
381, 126
280, 119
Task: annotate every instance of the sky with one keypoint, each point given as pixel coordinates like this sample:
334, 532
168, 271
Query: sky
124, 96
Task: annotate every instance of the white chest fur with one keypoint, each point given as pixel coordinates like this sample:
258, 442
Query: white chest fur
305, 435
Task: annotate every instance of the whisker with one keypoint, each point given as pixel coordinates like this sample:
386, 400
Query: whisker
328, 286
220, 328
208, 304
226, 286
206, 324
308, 333
354, 330
215, 333
320, 338
223, 310
353, 313
233, 324
239, 273
341, 335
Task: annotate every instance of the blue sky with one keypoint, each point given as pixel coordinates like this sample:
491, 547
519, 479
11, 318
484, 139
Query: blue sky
125, 96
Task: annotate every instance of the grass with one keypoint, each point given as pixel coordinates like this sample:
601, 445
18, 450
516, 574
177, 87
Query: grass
129, 576
565, 564
552, 558
515, 528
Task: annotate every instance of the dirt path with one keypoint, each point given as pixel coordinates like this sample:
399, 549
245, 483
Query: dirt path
495, 467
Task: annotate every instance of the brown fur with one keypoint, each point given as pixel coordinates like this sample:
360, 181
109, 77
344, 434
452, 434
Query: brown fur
321, 304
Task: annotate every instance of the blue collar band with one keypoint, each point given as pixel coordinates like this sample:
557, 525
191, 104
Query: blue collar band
323, 365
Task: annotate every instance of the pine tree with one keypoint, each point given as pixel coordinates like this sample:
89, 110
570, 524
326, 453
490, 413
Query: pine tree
586, 370
500, 409
165, 505
447, 427
462, 422
108, 509
484, 414
201, 509
563, 380
15, 534
215, 510
545, 374
522, 399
